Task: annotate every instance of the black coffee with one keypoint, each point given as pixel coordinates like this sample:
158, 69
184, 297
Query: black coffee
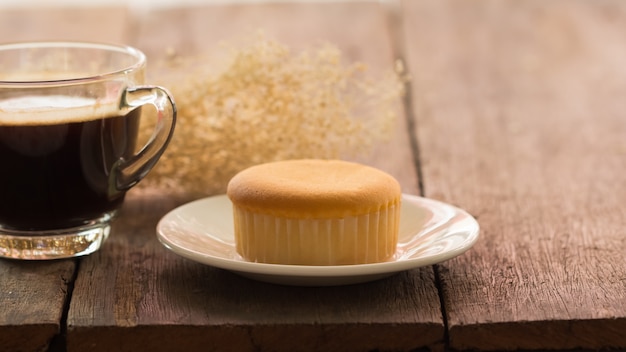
56, 172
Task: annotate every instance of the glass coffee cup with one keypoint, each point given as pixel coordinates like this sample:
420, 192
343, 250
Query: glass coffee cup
69, 123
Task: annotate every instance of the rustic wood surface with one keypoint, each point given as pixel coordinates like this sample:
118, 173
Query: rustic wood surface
521, 121
33, 300
157, 297
514, 113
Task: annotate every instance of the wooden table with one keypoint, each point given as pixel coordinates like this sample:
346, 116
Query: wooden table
516, 112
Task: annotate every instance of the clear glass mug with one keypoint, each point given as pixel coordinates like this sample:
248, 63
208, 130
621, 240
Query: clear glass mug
69, 123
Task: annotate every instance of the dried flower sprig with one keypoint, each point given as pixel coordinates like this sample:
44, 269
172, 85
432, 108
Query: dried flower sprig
267, 103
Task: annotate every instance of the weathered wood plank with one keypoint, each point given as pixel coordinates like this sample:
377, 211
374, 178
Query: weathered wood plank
32, 299
148, 298
137, 294
520, 119
34, 294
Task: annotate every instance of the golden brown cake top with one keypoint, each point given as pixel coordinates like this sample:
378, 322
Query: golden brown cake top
313, 188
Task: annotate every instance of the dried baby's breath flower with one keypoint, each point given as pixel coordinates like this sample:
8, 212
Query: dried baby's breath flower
266, 103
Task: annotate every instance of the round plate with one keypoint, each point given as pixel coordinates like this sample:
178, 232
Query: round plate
430, 232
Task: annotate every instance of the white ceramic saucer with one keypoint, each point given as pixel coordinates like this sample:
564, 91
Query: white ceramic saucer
430, 232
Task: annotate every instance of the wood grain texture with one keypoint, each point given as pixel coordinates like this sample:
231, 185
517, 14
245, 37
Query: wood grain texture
520, 120
134, 294
32, 298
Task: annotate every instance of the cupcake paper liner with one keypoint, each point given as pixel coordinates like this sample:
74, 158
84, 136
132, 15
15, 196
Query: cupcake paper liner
361, 239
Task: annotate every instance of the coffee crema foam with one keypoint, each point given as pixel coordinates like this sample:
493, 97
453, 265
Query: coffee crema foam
53, 109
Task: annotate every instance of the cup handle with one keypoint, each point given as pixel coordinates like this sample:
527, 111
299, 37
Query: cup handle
130, 171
